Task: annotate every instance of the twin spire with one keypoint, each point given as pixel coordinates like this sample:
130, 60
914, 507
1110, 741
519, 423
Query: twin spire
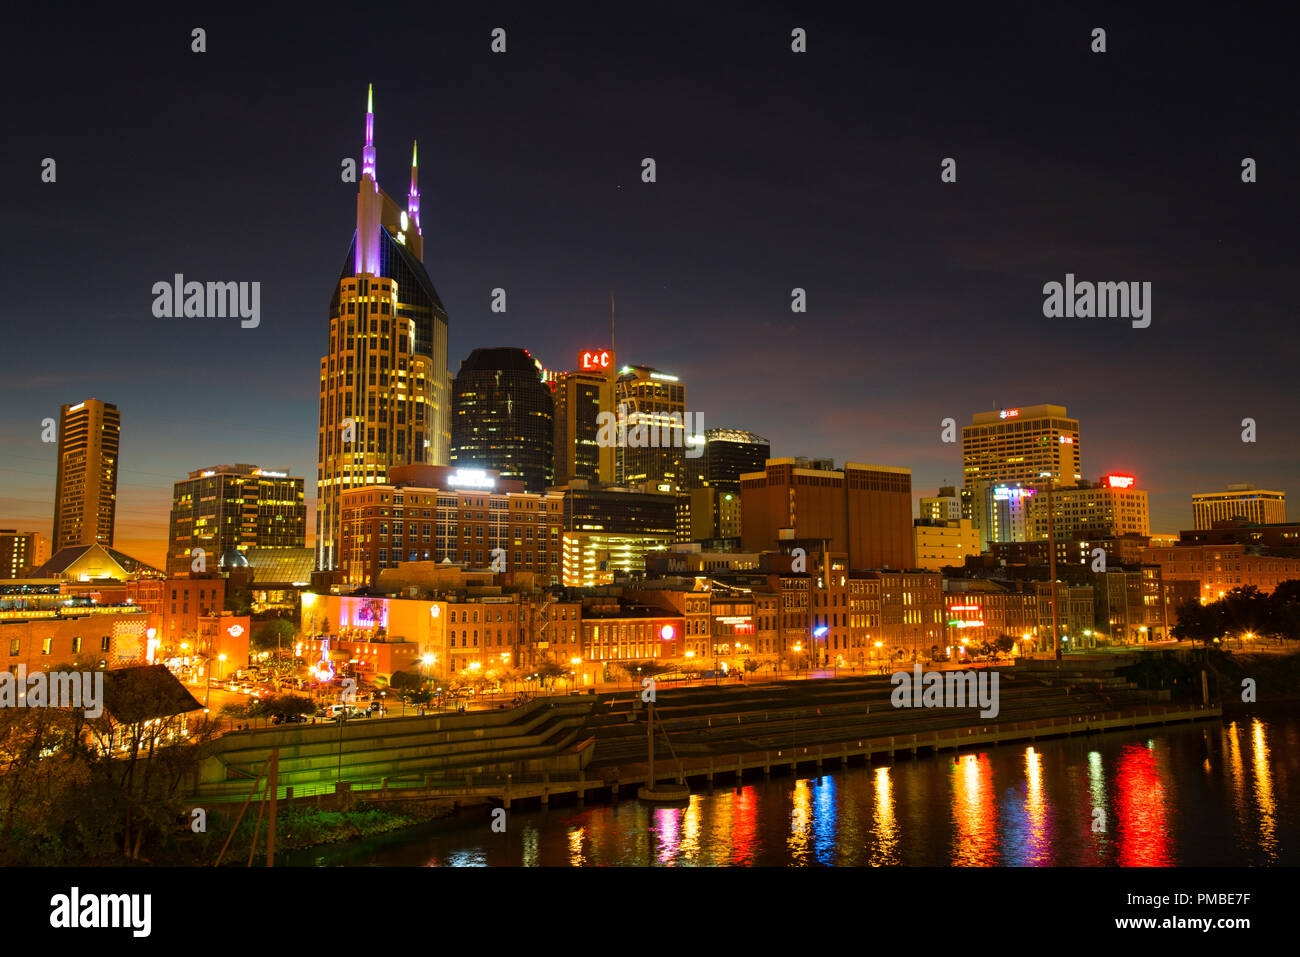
368, 153
368, 163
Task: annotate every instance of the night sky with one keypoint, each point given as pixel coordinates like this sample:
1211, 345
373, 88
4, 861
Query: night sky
775, 170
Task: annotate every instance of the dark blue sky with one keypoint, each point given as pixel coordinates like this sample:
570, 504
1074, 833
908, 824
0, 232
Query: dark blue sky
775, 170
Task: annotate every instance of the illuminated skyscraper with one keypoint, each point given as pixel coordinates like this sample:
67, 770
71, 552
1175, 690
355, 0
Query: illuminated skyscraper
383, 386
651, 404
503, 417
1239, 502
233, 507
85, 496
1017, 448
580, 397
21, 551
727, 455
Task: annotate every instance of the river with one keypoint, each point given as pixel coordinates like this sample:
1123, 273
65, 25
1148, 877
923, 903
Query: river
1206, 794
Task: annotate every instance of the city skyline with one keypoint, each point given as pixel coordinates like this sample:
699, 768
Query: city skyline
890, 305
666, 436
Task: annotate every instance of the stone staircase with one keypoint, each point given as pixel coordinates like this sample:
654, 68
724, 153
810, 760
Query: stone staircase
543, 735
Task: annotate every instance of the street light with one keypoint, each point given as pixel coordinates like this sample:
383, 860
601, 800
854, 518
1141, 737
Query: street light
208, 691
426, 662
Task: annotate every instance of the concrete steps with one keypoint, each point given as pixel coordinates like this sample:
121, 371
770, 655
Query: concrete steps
535, 737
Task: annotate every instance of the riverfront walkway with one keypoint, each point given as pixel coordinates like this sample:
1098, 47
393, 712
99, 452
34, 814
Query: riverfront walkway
735, 730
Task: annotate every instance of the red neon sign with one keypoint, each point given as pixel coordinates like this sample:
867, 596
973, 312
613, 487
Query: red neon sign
1119, 480
595, 360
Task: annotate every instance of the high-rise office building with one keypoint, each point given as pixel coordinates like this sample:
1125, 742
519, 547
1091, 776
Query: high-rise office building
728, 454
651, 408
20, 552
863, 511
1005, 512
233, 507
503, 417
85, 493
383, 385
609, 531
1111, 506
432, 513
944, 507
580, 397
713, 481
1245, 502
943, 542
1025, 447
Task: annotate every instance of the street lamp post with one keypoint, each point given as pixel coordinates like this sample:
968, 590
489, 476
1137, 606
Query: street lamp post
1051, 561
427, 662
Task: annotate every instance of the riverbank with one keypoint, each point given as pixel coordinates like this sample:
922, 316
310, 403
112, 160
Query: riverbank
298, 828
739, 732
1004, 805
1275, 677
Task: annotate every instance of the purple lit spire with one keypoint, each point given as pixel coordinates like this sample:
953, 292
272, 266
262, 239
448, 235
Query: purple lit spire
413, 197
368, 154
368, 200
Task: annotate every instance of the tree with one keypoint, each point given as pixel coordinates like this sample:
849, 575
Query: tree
551, 669
273, 634
1244, 610
237, 601
406, 681
619, 672
1286, 593
1198, 622
237, 710
1285, 609
288, 705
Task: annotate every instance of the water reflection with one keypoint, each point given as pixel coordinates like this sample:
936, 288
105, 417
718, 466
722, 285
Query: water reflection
576, 857
1098, 822
1143, 817
1263, 770
1207, 794
975, 843
667, 829
884, 828
826, 823
800, 818
744, 825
